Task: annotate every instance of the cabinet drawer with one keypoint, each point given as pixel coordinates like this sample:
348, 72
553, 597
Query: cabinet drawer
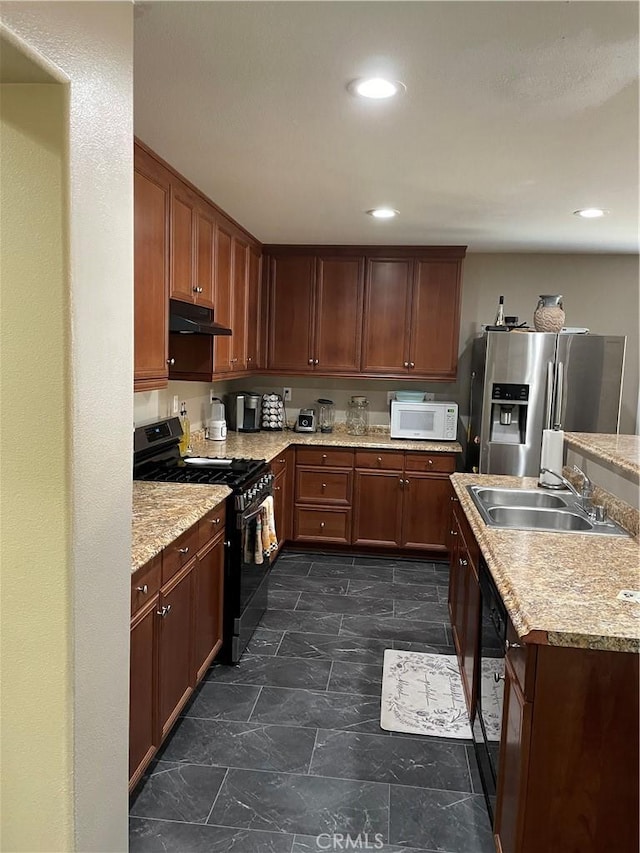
440, 462
179, 552
211, 525
379, 459
325, 456
145, 583
331, 525
331, 487
278, 463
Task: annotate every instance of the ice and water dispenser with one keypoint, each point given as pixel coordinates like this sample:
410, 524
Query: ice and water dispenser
509, 404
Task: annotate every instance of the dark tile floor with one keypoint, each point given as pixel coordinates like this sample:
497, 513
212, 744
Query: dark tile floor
279, 753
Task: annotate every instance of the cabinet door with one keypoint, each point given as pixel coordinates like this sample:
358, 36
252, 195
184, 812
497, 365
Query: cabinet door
182, 243
471, 636
208, 586
339, 305
239, 305
427, 511
175, 671
377, 508
143, 739
291, 310
435, 320
385, 348
205, 249
151, 273
514, 752
223, 299
254, 309
279, 502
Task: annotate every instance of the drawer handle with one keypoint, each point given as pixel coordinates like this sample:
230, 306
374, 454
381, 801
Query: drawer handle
171, 361
453, 498
321, 525
379, 458
183, 550
430, 461
213, 521
165, 611
197, 289
412, 364
462, 562
453, 532
281, 461
324, 455
324, 486
497, 677
276, 488
144, 589
513, 645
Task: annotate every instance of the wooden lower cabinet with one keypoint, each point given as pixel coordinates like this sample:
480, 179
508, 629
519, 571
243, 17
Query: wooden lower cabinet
176, 632
315, 524
377, 508
425, 511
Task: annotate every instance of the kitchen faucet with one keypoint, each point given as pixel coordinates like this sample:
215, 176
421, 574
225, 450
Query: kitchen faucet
586, 492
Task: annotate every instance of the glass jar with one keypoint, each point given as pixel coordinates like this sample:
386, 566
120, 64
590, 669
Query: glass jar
358, 416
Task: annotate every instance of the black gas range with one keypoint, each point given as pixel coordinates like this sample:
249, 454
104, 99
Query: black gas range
156, 458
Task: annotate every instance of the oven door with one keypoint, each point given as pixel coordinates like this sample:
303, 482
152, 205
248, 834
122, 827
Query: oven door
487, 720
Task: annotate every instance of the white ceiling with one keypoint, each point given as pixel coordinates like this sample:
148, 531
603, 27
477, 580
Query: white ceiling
515, 115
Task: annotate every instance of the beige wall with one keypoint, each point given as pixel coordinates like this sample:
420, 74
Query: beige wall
35, 510
601, 293
91, 46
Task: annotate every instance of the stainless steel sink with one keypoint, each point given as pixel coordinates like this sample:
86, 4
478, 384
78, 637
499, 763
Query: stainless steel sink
518, 497
522, 509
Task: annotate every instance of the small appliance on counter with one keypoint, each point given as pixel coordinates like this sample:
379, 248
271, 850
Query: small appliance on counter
326, 415
216, 424
243, 408
358, 416
431, 420
306, 421
272, 412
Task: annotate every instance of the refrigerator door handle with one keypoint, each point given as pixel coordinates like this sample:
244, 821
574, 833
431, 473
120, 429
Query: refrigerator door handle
549, 400
559, 393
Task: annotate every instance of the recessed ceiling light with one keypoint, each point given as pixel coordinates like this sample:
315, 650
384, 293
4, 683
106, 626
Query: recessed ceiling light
590, 212
376, 87
383, 212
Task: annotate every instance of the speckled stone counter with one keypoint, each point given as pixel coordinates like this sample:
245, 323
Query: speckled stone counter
162, 511
559, 588
267, 445
620, 451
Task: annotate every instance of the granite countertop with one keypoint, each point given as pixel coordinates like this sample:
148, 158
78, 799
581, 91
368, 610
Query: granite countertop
621, 451
559, 588
162, 511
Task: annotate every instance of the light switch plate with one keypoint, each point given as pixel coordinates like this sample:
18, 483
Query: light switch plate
629, 595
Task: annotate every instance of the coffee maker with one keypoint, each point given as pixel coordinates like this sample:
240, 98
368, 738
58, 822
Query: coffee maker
243, 411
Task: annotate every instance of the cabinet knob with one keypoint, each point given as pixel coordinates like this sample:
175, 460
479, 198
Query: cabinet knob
430, 461
453, 532
321, 525
497, 677
214, 520
281, 461
234, 360
144, 589
406, 364
324, 455
379, 458
401, 481
249, 358
276, 488
406, 482
166, 609
462, 562
513, 645
310, 361
324, 486
316, 361
453, 498
412, 364
171, 361
183, 550
197, 289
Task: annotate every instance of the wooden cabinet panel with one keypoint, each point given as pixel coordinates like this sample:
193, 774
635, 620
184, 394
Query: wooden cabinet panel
151, 273
212, 524
208, 599
377, 508
435, 319
182, 243
385, 346
179, 552
380, 459
145, 583
174, 643
471, 635
338, 314
291, 313
431, 463
426, 511
143, 739
205, 257
323, 487
223, 299
329, 525
325, 456
255, 310
239, 305
279, 504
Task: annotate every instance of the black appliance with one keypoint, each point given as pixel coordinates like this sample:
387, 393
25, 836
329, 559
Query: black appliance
493, 643
243, 411
157, 458
187, 319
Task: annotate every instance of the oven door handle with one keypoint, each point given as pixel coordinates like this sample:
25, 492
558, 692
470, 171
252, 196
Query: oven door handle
245, 517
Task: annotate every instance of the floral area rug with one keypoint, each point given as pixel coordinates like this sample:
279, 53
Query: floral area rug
422, 694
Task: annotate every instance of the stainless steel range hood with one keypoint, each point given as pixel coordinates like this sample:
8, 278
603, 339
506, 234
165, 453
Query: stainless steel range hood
186, 319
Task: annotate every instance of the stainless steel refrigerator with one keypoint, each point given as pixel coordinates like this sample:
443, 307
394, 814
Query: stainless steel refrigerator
524, 382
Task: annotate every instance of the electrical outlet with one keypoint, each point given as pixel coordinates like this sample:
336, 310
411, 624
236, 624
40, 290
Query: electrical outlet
429, 396
286, 395
391, 395
176, 405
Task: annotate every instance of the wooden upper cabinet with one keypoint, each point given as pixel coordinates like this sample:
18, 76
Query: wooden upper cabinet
385, 348
254, 310
223, 298
435, 319
205, 256
338, 314
182, 243
151, 272
291, 311
239, 305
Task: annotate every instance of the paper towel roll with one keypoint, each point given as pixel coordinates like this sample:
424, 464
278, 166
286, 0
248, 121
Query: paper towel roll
551, 455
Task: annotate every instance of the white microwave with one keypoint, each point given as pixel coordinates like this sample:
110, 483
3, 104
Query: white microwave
433, 420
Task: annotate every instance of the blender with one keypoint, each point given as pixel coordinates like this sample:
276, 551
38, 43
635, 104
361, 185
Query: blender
217, 425
326, 415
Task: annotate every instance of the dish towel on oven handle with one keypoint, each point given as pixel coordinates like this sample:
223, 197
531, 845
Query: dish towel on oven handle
268, 530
